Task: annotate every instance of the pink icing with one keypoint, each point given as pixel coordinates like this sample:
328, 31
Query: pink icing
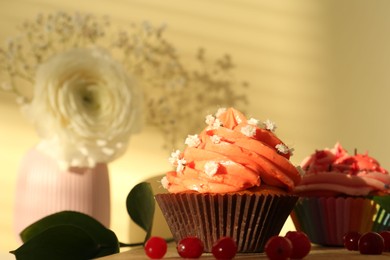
231, 154
334, 170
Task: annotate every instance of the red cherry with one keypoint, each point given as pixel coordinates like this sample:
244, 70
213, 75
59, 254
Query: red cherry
278, 248
155, 247
371, 243
190, 247
224, 248
351, 240
300, 242
386, 238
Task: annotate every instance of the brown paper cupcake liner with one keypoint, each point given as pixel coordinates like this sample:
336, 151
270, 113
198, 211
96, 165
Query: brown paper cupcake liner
250, 219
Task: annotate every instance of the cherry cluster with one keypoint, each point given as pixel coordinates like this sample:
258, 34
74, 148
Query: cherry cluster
191, 247
294, 245
370, 243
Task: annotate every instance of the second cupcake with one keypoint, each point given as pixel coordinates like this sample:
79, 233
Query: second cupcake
337, 192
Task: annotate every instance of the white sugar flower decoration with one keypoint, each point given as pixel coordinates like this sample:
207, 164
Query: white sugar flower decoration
215, 139
248, 130
253, 121
238, 119
164, 182
174, 157
210, 120
192, 140
181, 163
282, 148
211, 168
269, 125
220, 111
217, 124
85, 107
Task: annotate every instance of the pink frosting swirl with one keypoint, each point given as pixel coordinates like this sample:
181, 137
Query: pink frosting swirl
231, 154
334, 171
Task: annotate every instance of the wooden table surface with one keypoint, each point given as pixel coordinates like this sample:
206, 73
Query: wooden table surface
316, 253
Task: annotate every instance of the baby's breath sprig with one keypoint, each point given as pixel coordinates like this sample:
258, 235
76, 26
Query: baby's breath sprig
176, 93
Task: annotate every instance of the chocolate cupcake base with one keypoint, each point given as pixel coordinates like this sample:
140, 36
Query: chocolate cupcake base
249, 219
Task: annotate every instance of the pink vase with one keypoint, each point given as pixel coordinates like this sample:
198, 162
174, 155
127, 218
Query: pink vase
43, 189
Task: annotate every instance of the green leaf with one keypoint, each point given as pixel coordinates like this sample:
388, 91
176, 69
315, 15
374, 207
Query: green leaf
383, 201
140, 206
104, 237
62, 242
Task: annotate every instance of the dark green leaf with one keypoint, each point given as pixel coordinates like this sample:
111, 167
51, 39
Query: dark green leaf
383, 201
140, 206
62, 242
105, 237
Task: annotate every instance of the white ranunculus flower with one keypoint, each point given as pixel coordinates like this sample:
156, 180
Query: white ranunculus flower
85, 107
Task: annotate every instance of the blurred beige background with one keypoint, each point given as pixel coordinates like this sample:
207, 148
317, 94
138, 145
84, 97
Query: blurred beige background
319, 69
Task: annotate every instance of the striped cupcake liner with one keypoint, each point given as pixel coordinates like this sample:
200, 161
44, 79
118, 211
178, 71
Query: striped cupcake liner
326, 220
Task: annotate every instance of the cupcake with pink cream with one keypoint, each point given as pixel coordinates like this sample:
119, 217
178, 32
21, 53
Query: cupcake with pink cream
337, 191
233, 179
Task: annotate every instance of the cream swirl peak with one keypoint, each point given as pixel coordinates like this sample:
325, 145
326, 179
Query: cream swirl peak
231, 154
334, 171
